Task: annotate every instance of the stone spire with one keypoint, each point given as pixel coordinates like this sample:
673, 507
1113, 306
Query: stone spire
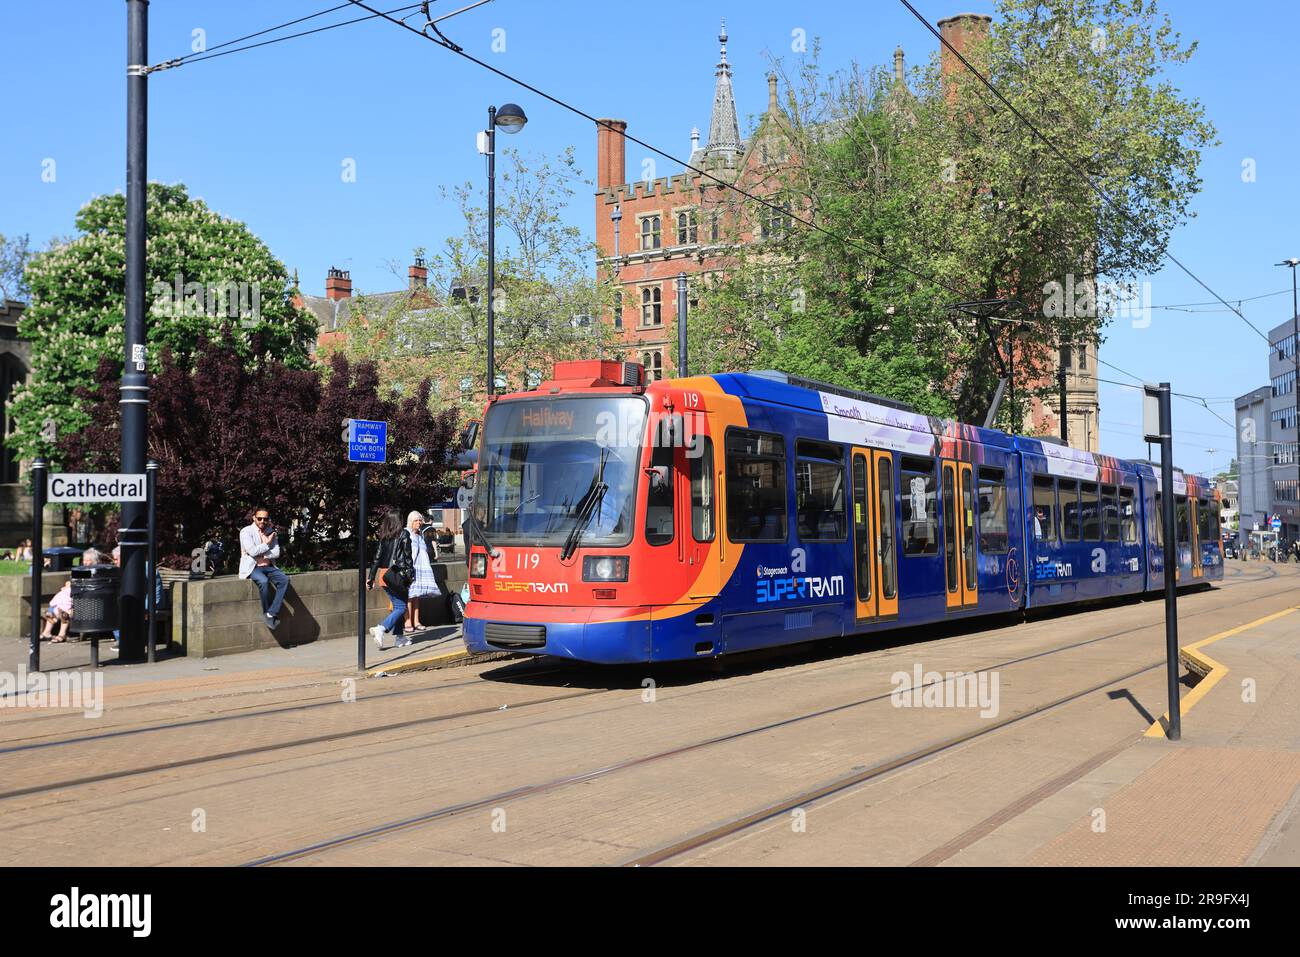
724, 130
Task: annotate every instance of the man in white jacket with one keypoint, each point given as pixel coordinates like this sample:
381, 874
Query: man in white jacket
258, 550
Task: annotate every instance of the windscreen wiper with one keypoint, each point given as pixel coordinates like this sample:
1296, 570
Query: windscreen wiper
586, 507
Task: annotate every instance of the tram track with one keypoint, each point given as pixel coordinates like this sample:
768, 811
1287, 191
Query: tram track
377, 728
741, 823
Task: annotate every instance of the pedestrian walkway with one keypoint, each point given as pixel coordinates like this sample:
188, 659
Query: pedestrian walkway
336, 656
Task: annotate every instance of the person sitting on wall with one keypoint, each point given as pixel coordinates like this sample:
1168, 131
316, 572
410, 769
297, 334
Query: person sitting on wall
259, 548
59, 613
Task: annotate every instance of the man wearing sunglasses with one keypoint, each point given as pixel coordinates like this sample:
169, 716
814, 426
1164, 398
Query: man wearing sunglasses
259, 549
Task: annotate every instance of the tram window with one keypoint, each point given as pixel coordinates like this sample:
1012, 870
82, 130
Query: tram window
1110, 513
1216, 520
1158, 521
659, 499
755, 486
1044, 509
1090, 508
1183, 522
819, 492
1203, 520
949, 529
992, 494
1071, 524
701, 466
920, 519
1128, 516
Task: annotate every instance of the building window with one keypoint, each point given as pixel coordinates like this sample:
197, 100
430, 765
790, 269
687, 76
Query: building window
715, 228
688, 228
651, 232
652, 306
618, 310
774, 221
1284, 384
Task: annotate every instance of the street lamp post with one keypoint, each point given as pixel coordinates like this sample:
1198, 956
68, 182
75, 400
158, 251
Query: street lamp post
1295, 355
511, 119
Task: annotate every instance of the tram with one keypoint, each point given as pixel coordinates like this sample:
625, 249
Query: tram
617, 521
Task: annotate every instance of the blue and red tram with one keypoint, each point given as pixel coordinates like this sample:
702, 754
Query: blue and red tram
715, 514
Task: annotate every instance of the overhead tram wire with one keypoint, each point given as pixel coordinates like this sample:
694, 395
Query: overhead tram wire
1071, 164
873, 251
211, 53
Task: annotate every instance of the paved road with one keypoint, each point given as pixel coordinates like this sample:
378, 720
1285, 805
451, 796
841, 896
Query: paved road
793, 758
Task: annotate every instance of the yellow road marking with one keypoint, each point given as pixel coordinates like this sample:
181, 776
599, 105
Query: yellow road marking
1196, 660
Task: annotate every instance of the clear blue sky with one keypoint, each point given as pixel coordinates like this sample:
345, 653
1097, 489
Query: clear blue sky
262, 135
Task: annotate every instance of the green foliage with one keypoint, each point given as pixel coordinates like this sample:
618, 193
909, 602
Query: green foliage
941, 195
77, 308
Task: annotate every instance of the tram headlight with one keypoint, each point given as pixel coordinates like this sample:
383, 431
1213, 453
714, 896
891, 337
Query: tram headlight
478, 565
604, 568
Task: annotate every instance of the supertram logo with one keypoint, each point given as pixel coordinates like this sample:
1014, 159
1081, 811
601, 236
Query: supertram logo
533, 588
799, 586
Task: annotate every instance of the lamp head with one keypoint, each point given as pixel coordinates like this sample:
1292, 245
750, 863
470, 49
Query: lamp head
511, 118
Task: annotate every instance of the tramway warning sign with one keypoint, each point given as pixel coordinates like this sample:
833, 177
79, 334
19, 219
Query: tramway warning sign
81, 487
367, 440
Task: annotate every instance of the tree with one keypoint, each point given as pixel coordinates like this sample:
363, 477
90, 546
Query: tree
202, 269
13, 261
546, 304
937, 193
231, 435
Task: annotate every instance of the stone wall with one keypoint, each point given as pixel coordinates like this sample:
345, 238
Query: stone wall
223, 616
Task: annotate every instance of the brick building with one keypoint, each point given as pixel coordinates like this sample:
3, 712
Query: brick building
651, 230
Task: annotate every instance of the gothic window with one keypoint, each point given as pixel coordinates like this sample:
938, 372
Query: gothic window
688, 231
651, 232
651, 306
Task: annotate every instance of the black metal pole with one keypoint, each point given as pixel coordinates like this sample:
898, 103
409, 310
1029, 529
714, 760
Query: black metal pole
1295, 388
1060, 381
361, 571
681, 325
134, 390
38, 560
492, 252
151, 573
1171, 558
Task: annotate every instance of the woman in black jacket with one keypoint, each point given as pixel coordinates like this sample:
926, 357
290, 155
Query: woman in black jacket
393, 551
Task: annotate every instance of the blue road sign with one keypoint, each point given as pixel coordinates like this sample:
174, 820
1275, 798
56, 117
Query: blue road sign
1276, 523
367, 441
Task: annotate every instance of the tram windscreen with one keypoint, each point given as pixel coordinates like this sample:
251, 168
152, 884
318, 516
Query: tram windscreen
541, 457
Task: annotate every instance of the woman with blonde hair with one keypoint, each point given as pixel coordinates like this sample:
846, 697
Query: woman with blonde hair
424, 583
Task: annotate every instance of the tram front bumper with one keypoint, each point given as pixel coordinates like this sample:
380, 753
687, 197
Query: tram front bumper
600, 635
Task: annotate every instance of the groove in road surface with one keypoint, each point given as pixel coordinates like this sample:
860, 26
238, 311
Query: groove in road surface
531, 789
297, 742
334, 699
834, 787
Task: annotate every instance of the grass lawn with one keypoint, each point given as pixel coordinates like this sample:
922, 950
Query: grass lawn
14, 568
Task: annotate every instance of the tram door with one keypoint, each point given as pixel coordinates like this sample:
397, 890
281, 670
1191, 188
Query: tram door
961, 570
875, 541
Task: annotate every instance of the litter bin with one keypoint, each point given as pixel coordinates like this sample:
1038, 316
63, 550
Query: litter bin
94, 599
62, 557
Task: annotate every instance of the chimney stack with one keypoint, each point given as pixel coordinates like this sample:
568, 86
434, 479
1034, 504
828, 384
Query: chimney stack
771, 93
960, 31
695, 139
611, 162
338, 284
418, 274
900, 70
